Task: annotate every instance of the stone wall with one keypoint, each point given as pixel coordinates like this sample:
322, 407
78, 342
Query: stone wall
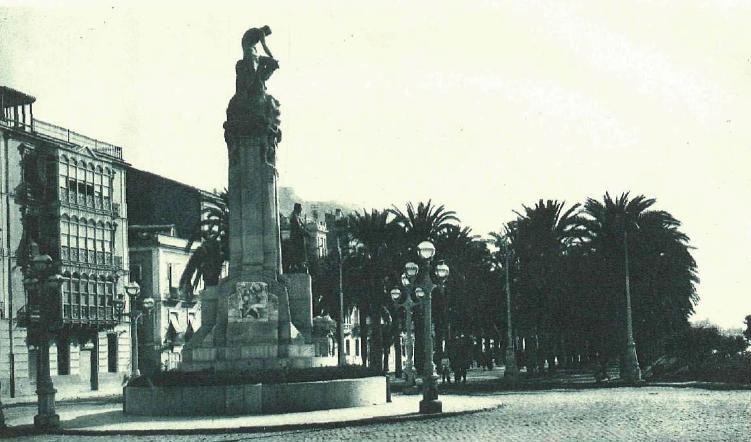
254, 399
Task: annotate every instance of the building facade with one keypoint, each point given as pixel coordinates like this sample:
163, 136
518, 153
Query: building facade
64, 193
163, 215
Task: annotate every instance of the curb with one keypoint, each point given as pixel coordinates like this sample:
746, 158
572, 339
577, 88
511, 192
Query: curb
28, 431
702, 385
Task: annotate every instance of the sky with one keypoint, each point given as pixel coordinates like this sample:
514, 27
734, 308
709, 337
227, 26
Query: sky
480, 106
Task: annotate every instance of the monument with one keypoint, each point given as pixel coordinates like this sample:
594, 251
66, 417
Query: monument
257, 317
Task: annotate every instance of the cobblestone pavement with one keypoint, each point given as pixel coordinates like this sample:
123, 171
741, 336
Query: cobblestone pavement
644, 414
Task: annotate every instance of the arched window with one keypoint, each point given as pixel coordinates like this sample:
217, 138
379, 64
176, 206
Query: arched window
90, 227
73, 238
107, 188
90, 185
108, 239
81, 183
99, 242
64, 237
72, 185
63, 178
98, 187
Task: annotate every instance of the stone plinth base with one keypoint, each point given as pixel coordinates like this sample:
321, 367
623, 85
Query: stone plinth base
254, 399
246, 325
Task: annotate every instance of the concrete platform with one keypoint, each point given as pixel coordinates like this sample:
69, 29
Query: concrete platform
109, 418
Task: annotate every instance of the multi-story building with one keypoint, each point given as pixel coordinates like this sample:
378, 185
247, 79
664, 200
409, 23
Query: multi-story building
64, 192
163, 215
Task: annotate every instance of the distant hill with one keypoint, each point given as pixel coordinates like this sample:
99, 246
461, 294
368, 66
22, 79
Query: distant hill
288, 198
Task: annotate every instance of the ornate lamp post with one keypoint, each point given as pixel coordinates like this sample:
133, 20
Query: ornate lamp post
407, 304
135, 314
511, 371
421, 284
42, 283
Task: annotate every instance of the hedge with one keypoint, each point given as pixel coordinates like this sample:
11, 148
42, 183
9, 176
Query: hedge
203, 378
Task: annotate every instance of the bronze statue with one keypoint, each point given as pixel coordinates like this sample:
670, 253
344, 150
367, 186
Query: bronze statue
298, 241
251, 111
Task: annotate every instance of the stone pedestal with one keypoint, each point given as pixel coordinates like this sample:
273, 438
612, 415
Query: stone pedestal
301, 302
246, 326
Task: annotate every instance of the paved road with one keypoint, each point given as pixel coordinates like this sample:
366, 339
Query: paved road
648, 413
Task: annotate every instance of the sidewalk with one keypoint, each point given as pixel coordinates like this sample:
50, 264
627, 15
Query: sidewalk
108, 418
109, 393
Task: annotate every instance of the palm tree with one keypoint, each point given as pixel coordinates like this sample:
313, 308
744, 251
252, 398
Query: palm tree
460, 308
371, 264
662, 270
208, 259
426, 222
540, 237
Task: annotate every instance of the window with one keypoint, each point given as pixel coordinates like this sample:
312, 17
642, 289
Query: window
63, 357
98, 188
84, 289
65, 239
66, 295
63, 179
110, 294
75, 293
33, 361
357, 347
170, 284
108, 235
346, 347
102, 299
112, 353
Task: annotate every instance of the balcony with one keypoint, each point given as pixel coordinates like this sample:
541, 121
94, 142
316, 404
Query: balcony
57, 133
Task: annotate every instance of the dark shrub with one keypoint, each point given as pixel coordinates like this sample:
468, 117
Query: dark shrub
703, 353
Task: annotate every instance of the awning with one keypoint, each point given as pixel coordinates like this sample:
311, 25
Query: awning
10, 97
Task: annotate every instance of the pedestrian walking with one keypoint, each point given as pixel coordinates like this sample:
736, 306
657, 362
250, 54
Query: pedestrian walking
445, 369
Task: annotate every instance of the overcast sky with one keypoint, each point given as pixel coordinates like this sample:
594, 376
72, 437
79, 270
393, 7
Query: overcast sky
481, 106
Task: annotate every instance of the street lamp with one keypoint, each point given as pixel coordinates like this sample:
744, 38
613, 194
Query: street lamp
511, 371
407, 304
422, 289
135, 315
342, 361
43, 284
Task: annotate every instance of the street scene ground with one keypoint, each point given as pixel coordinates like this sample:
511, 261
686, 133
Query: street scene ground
622, 413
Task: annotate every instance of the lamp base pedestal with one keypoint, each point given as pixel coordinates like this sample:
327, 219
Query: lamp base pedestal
47, 422
511, 371
433, 406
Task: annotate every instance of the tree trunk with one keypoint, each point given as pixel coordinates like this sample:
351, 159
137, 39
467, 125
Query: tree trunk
376, 341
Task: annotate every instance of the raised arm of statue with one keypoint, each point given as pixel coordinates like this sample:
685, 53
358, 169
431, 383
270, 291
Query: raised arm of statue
263, 44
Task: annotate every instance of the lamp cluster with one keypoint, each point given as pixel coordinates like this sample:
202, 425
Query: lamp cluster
422, 290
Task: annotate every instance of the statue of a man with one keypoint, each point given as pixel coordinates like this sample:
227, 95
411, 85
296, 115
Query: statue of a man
298, 236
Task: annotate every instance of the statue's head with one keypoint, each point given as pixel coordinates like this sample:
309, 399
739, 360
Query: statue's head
297, 209
251, 38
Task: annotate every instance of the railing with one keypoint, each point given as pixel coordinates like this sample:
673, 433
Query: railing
67, 135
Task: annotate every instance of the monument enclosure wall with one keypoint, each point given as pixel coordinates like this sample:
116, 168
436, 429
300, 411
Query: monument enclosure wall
254, 399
